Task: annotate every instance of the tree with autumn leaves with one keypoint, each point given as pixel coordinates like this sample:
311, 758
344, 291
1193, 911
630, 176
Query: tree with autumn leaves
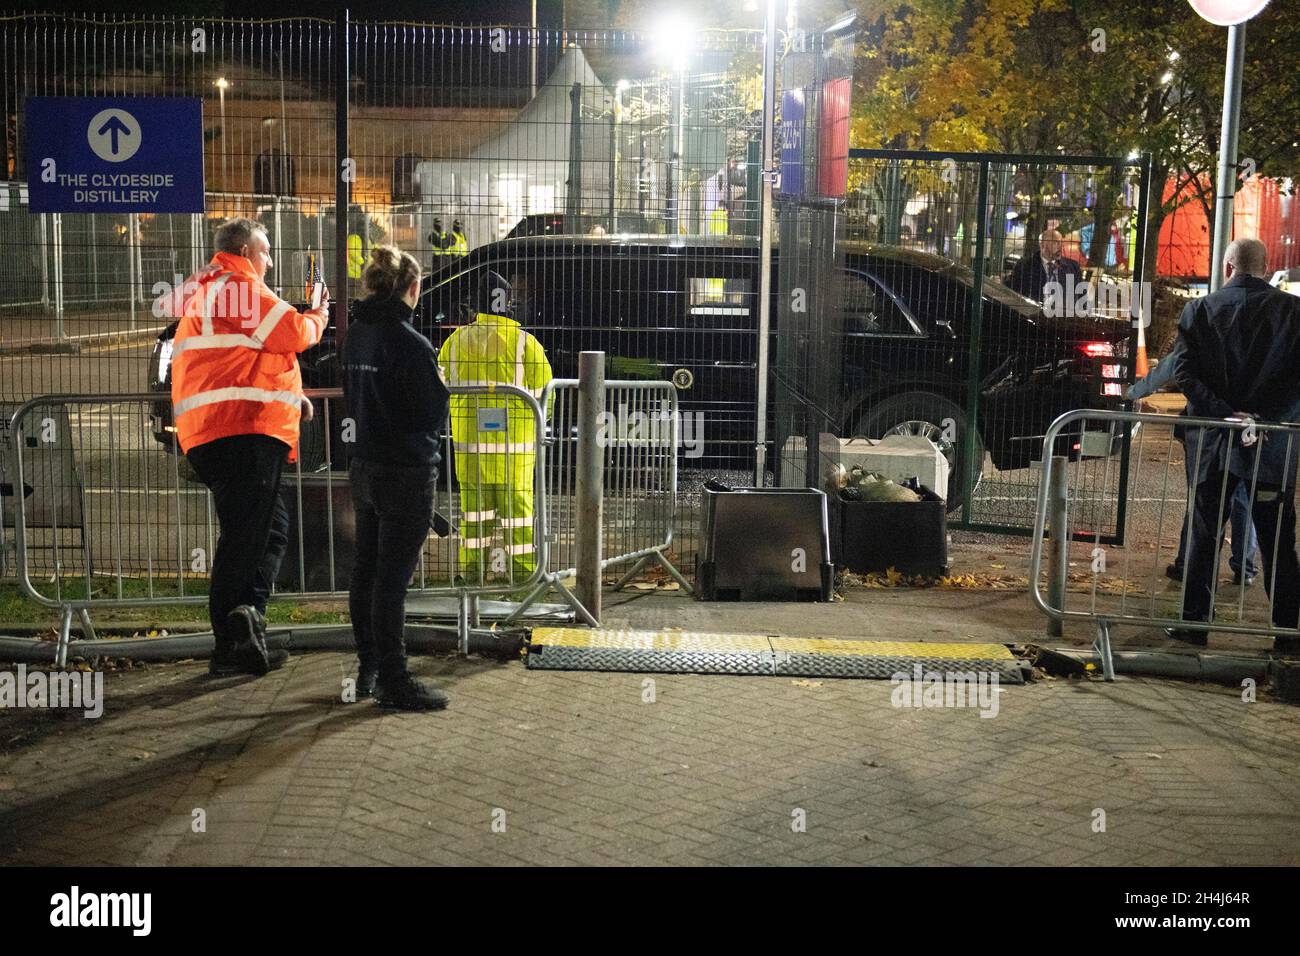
1101, 77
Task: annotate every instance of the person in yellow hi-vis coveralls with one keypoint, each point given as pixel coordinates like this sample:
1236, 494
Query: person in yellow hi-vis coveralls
495, 459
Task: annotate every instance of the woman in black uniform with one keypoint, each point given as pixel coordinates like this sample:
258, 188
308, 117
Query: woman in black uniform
398, 404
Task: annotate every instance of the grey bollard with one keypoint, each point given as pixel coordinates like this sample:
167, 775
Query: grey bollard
589, 506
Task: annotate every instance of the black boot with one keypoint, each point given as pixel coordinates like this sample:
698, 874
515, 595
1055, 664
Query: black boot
405, 692
367, 675
248, 628
1286, 645
1186, 635
222, 662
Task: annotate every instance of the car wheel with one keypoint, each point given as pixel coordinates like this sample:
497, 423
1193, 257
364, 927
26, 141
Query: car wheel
927, 415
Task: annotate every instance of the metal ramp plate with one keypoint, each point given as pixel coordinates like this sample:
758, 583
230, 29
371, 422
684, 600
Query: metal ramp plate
694, 652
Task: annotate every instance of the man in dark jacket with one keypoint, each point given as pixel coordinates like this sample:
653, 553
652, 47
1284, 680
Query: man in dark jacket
1238, 356
1032, 274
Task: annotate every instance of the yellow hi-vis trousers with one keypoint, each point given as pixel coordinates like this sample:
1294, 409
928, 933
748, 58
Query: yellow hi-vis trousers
488, 506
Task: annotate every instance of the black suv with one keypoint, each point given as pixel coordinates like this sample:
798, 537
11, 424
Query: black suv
685, 310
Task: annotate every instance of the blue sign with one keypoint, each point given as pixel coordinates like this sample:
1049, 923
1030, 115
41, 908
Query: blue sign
115, 153
792, 158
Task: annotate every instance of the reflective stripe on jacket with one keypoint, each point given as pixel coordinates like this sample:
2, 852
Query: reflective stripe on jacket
234, 358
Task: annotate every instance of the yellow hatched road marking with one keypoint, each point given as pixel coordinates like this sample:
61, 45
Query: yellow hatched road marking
759, 644
650, 640
948, 651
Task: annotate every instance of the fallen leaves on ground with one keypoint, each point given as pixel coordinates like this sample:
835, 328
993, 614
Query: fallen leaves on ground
893, 578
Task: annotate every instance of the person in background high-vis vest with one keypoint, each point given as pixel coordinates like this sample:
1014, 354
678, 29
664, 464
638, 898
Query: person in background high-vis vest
237, 400
442, 242
493, 465
459, 244
356, 262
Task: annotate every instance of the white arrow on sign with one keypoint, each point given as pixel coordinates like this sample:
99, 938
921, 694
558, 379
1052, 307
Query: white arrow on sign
114, 135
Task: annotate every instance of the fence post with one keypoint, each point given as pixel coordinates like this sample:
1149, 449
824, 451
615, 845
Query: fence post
589, 513
342, 184
1058, 558
765, 216
971, 467
58, 274
43, 221
133, 263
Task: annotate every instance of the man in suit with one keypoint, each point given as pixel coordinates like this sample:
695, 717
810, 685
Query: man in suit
1238, 356
1031, 275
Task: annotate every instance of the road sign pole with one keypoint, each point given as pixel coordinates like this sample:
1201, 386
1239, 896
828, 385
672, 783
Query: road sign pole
1226, 187
765, 242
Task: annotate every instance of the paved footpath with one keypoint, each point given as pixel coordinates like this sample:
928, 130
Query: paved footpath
580, 768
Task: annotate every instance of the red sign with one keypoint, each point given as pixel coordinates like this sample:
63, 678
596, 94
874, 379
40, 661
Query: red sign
833, 139
1226, 13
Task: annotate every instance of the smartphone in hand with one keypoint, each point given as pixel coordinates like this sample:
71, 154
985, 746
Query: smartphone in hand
319, 294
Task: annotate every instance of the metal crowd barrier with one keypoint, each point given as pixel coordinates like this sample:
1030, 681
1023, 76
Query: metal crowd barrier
150, 530
639, 435
1138, 578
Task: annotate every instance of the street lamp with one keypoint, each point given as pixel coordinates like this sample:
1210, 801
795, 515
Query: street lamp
221, 84
615, 149
671, 43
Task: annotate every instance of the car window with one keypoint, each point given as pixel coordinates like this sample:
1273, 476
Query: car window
717, 296
869, 310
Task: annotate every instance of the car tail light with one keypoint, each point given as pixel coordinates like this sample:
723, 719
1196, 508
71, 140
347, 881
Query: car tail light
1097, 349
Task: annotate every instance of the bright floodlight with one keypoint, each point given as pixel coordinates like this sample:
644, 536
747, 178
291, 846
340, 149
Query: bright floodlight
222, 83
672, 40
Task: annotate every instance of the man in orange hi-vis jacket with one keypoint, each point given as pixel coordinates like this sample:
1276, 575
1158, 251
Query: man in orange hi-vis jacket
237, 400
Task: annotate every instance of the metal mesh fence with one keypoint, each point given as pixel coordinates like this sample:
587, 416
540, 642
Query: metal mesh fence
1054, 249
611, 181
615, 185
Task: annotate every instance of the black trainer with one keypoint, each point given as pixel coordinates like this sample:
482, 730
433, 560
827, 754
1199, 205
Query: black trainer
248, 628
1174, 572
406, 692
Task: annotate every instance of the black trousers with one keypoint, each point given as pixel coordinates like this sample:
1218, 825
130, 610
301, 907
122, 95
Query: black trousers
394, 508
1274, 516
243, 473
